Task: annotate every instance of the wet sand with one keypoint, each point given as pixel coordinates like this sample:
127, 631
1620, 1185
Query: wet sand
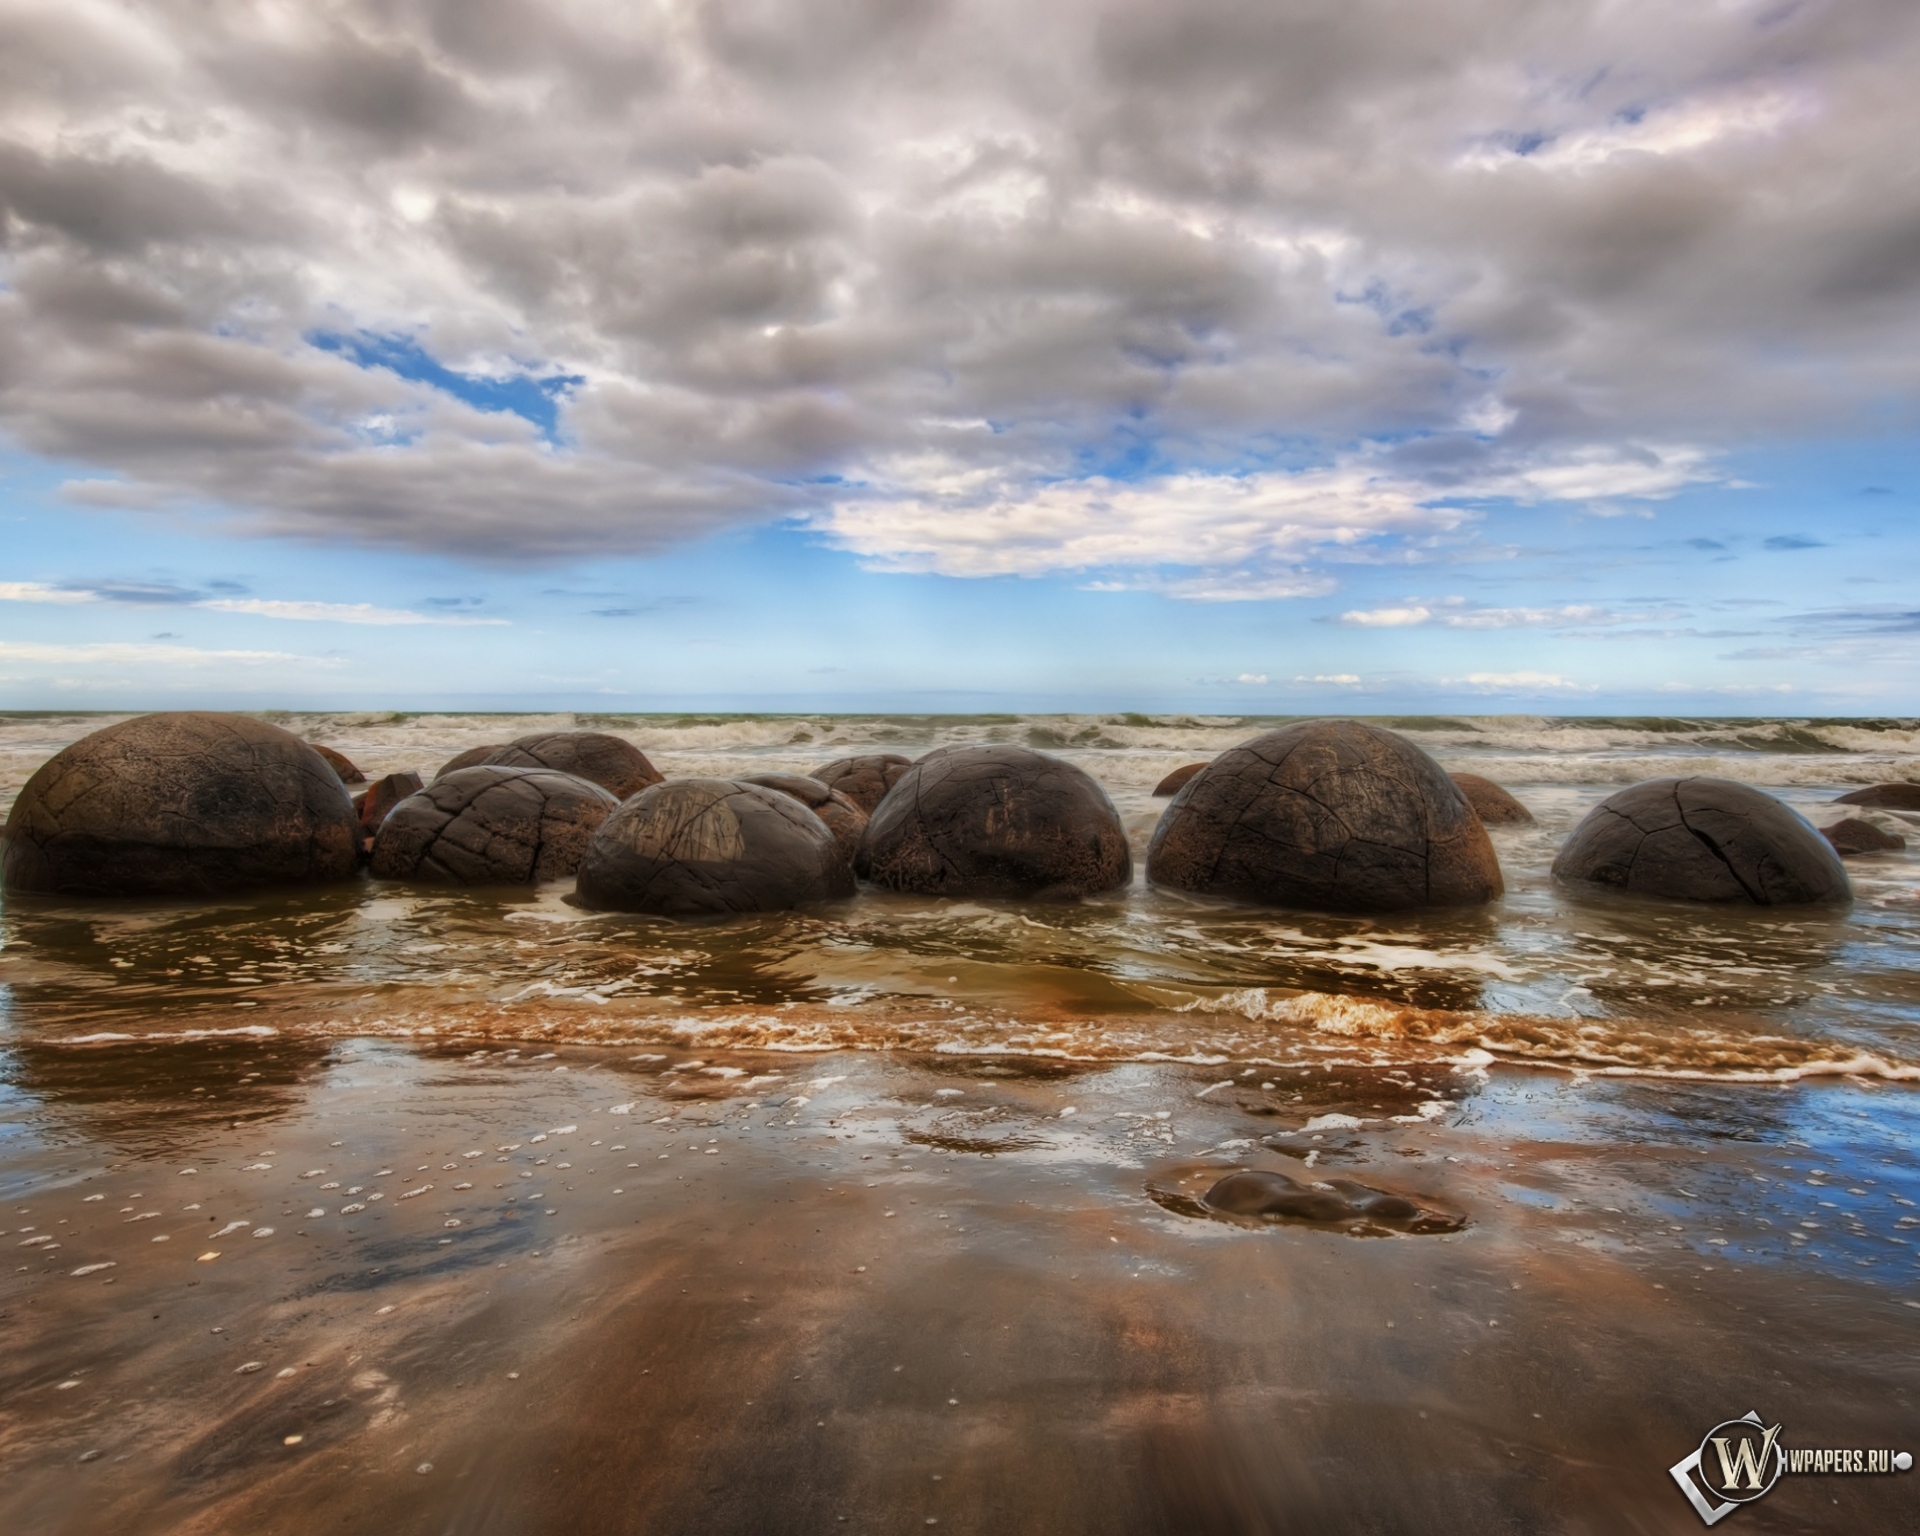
878, 1292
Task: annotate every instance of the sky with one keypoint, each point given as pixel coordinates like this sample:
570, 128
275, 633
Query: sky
1252, 356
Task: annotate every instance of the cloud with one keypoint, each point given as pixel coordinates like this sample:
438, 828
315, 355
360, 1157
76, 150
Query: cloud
1336, 679
519, 280
336, 613
1452, 613
40, 592
1251, 677
1793, 541
1517, 682
119, 653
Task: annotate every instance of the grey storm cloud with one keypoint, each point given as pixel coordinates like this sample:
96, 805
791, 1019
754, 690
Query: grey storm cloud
934, 277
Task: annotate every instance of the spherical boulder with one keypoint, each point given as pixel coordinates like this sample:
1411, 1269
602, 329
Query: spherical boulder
381, 796
180, 805
1327, 815
341, 764
1176, 781
1701, 840
1884, 797
1492, 804
691, 847
473, 757
491, 825
995, 821
1854, 836
845, 820
864, 780
614, 764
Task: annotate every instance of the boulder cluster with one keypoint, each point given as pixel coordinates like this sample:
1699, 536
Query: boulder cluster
1323, 815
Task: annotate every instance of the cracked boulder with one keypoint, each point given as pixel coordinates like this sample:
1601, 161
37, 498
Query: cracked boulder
1492, 804
844, 819
184, 804
694, 847
473, 757
491, 825
616, 765
1701, 840
996, 822
1326, 815
864, 780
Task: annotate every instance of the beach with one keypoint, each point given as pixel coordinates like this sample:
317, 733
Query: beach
384, 1207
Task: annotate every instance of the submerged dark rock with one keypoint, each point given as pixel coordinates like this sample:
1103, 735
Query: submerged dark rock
491, 825
1261, 1195
996, 821
864, 780
1327, 815
1492, 804
341, 764
1884, 797
616, 765
1176, 781
180, 805
691, 847
1701, 839
845, 820
1853, 837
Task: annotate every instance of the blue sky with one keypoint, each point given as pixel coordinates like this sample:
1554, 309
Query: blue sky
1230, 357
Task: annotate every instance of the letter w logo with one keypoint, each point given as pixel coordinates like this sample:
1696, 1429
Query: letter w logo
1744, 1461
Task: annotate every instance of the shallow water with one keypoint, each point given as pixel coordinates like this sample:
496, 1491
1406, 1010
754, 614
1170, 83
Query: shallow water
1139, 975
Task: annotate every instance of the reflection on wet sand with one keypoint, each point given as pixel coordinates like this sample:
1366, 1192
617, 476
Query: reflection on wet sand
533, 1289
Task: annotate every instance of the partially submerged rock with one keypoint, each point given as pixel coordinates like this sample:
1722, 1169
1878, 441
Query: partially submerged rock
473, 757
491, 825
183, 804
1259, 1195
1701, 839
864, 780
615, 764
845, 820
1326, 815
996, 821
341, 764
1853, 837
1884, 797
1492, 804
381, 796
1176, 781
692, 847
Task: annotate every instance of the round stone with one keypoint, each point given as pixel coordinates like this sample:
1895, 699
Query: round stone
845, 820
1701, 840
996, 822
1176, 781
1492, 804
1884, 797
491, 825
613, 763
180, 805
1855, 836
473, 757
688, 847
1326, 815
864, 780
341, 764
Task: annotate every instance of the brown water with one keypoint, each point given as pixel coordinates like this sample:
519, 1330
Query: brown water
887, 1214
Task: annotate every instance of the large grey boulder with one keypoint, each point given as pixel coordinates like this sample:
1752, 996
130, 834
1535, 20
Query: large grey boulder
491, 825
691, 847
994, 822
1701, 839
183, 804
1326, 815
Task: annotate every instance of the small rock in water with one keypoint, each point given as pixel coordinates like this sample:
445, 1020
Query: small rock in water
1853, 837
1263, 1195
